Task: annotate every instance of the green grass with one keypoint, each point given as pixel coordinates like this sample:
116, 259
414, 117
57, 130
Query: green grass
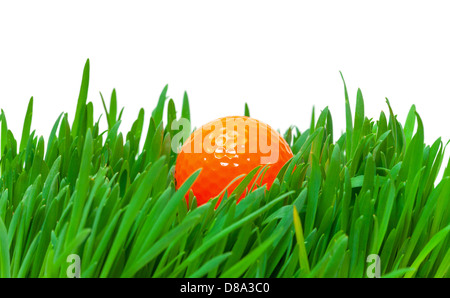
110, 198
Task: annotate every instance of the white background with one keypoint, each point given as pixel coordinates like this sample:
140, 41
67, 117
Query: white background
282, 57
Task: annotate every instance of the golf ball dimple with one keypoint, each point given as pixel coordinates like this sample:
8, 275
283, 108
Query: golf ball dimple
227, 148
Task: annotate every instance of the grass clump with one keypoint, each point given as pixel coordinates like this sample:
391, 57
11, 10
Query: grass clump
109, 198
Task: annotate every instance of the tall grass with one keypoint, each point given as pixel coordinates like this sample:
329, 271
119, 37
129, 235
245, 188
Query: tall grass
109, 198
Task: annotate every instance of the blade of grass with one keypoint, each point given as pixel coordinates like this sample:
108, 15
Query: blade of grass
5, 265
440, 236
302, 254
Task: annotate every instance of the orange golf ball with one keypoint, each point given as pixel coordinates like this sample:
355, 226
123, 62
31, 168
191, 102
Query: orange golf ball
227, 148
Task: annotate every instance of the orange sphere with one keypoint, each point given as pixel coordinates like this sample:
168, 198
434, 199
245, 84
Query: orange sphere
227, 148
